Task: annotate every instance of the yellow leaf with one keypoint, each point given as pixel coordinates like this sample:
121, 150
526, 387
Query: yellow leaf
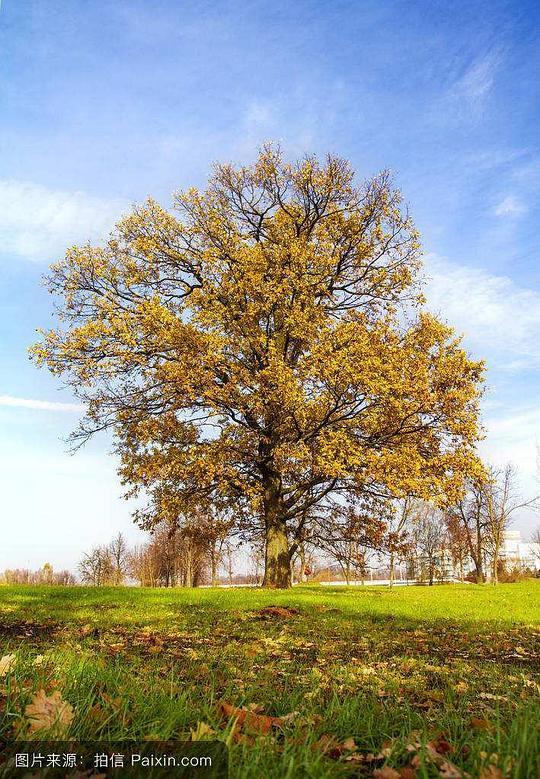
202, 732
6, 664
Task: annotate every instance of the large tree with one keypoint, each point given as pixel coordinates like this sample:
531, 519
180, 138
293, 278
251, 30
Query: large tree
264, 344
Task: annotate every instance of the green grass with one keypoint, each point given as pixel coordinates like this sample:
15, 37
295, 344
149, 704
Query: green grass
392, 669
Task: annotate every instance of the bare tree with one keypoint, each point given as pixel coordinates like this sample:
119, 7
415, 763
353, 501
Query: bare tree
96, 567
173, 557
430, 537
470, 514
118, 549
347, 535
501, 501
397, 532
535, 544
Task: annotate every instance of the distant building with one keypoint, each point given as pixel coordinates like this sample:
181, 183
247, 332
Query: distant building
518, 553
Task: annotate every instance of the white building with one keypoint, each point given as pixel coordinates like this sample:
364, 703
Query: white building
518, 553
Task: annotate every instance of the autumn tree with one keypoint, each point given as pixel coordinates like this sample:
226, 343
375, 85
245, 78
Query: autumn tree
458, 545
264, 343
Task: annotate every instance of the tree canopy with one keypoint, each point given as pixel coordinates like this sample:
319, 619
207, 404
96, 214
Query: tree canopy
264, 346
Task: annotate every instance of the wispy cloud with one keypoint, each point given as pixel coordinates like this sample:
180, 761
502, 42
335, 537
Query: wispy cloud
39, 223
495, 314
39, 405
469, 92
513, 436
510, 206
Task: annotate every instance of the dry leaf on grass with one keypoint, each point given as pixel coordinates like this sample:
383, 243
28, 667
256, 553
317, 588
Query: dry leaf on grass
407, 772
259, 724
49, 713
448, 770
491, 772
386, 773
6, 664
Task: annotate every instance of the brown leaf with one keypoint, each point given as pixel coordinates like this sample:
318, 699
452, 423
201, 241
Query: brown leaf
448, 770
407, 772
49, 713
491, 772
257, 723
386, 773
440, 745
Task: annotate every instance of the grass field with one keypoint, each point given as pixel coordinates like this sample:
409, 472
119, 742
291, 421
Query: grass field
430, 682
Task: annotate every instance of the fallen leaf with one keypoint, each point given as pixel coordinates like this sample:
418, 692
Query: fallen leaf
448, 770
491, 772
257, 723
49, 713
6, 664
39, 660
407, 772
440, 745
386, 773
487, 696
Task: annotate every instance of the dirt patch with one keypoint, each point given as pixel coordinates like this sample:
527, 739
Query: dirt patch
27, 630
276, 612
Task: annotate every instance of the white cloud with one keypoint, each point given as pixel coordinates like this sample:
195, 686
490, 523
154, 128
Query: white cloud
39, 224
496, 315
477, 81
510, 206
39, 405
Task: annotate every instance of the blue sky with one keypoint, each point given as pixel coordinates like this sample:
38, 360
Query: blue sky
104, 103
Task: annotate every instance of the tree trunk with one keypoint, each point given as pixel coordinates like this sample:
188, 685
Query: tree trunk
479, 562
277, 565
277, 559
302, 556
479, 572
391, 566
495, 565
213, 563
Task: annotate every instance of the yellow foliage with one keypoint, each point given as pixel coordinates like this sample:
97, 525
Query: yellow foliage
266, 344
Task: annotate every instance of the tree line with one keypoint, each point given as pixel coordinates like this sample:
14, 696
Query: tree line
431, 543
